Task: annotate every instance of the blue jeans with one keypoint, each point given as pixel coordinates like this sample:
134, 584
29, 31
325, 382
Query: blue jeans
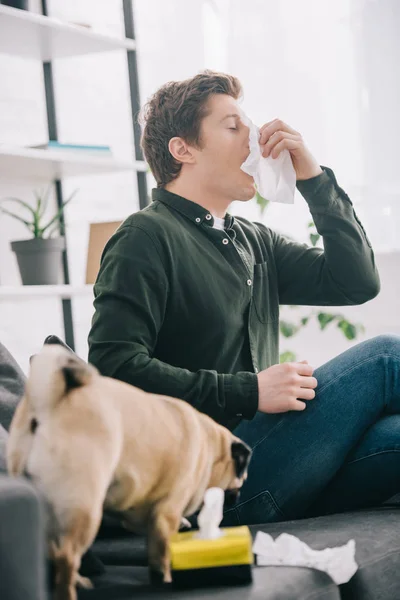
341, 453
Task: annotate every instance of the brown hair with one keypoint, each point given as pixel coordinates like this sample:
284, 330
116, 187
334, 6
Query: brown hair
177, 110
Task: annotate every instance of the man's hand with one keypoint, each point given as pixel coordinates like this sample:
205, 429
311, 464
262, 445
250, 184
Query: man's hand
277, 136
280, 386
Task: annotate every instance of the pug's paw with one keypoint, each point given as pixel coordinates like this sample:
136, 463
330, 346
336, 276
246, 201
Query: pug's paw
83, 582
158, 578
185, 525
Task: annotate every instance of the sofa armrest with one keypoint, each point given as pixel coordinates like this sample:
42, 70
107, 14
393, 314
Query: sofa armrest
22, 541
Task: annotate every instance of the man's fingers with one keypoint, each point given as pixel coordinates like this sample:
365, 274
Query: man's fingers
297, 405
270, 128
266, 125
308, 382
304, 369
306, 394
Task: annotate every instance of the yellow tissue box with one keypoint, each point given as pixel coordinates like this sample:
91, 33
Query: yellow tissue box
226, 560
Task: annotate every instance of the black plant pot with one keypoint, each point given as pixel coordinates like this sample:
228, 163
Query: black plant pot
39, 260
22, 4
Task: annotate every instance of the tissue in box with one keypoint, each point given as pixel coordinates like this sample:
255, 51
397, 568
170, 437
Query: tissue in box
225, 560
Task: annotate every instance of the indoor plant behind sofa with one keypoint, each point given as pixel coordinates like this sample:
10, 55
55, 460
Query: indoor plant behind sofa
39, 257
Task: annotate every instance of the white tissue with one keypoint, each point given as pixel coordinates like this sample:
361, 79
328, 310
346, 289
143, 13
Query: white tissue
275, 178
211, 514
338, 562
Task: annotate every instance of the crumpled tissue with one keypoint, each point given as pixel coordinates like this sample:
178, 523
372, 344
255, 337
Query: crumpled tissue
211, 513
287, 549
275, 178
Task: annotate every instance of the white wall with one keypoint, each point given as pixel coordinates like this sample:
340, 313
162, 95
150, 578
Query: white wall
326, 68
303, 72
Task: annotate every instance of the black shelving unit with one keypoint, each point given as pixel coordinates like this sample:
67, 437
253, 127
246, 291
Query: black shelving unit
53, 135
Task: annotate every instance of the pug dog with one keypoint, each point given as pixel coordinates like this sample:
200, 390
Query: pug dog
92, 443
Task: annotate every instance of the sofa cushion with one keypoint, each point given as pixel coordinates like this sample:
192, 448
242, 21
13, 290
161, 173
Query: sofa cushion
376, 532
377, 536
3, 449
22, 541
12, 383
121, 550
269, 583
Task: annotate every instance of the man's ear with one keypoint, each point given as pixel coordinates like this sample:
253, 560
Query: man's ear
180, 150
241, 454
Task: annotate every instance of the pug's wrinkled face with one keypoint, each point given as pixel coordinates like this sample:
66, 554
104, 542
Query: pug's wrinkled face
230, 472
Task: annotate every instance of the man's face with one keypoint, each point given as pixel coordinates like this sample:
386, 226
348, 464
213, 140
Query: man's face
225, 142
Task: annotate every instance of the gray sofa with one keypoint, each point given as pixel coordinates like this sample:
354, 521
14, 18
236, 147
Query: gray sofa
117, 560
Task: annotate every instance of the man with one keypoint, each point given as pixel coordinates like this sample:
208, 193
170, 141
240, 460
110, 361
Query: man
187, 304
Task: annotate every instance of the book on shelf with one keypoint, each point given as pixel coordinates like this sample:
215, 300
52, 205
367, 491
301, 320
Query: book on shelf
84, 148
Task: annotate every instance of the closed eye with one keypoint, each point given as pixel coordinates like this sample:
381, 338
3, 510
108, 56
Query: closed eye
233, 128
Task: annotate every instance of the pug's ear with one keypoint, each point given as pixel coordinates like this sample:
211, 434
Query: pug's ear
76, 372
241, 454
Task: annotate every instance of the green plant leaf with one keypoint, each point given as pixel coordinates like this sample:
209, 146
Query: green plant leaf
288, 329
36, 216
43, 201
11, 214
34, 225
305, 320
52, 230
262, 202
311, 224
349, 330
314, 237
38, 202
325, 318
25, 204
287, 356
58, 214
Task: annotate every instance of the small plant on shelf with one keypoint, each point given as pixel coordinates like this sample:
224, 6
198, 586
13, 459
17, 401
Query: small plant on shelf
39, 257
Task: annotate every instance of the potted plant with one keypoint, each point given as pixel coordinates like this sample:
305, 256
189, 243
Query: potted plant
39, 258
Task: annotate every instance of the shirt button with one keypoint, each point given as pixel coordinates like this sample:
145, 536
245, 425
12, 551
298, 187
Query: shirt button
198, 220
249, 282
208, 217
255, 370
225, 241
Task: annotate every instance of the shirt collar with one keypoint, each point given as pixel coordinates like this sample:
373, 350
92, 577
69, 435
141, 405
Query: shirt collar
193, 211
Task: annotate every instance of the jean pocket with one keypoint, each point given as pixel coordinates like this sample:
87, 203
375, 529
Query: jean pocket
265, 293
259, 509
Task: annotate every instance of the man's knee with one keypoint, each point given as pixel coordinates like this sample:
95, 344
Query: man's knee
387, 343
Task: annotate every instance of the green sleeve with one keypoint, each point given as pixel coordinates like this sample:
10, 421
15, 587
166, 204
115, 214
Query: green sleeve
131, 296
344, 271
